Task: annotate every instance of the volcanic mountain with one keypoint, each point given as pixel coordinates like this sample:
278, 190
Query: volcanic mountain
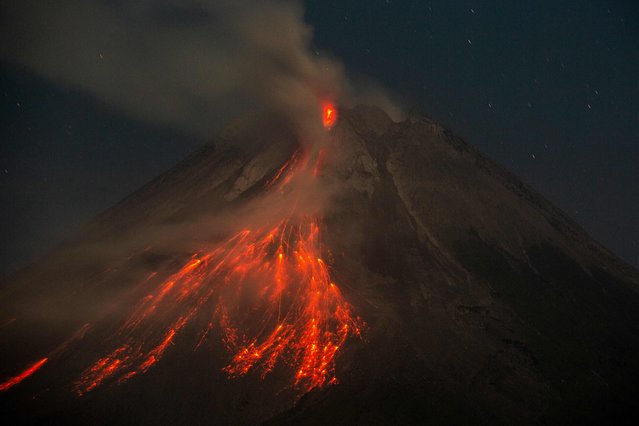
391, 275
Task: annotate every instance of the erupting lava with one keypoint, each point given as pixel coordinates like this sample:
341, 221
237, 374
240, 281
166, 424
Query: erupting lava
265, 293
329, 115
277, 272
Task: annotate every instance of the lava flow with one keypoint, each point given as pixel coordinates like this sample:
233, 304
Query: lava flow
9, 383
265, 292
278, 273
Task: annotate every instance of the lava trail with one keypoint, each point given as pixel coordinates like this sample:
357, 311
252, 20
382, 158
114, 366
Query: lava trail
267, 292
9, 383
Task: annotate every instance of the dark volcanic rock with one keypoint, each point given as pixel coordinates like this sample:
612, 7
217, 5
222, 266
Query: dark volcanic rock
483, 302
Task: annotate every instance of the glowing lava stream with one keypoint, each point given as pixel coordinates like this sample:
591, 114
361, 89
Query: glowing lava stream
9, 383
266, 292
33, 368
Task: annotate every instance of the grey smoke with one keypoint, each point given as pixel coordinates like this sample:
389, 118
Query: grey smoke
188, 64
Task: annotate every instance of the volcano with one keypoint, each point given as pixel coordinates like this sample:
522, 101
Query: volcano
391, 274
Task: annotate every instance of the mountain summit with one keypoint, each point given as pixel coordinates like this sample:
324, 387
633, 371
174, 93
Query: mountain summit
388, 274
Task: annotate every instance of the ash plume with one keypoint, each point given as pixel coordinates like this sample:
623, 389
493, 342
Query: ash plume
191, 65
188, 64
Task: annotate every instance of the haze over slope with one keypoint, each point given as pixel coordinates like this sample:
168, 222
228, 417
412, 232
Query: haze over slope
481, 301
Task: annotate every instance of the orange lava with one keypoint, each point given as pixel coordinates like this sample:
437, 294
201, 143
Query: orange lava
329, 115
265, 292
20, 377
307, 318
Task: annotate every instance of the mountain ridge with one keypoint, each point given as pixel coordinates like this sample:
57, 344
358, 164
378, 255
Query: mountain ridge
483, 301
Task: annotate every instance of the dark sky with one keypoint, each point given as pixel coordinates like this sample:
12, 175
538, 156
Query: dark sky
547, 88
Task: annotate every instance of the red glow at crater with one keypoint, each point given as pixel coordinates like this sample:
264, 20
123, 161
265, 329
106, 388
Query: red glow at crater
329, 115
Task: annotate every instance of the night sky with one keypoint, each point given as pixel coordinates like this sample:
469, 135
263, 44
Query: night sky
548, 89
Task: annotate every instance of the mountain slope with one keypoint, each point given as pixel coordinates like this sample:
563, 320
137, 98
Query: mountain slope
483, 303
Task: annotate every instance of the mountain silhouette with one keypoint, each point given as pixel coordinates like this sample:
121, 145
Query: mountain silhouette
389, 274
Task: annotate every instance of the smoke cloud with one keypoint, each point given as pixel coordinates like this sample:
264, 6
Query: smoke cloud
191, 65
188, 64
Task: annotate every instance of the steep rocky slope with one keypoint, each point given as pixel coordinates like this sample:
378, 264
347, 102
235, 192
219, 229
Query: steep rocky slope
483, 303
